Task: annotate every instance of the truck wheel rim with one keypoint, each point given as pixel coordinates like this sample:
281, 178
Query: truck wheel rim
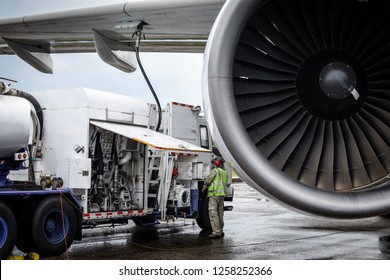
53, 226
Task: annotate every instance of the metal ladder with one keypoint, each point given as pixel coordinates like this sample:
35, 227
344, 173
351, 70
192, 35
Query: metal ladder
162, 162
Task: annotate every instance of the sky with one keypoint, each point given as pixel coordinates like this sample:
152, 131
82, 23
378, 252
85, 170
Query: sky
175, 77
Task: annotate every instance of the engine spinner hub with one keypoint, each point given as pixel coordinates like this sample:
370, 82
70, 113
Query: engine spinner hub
338, 81
332, 84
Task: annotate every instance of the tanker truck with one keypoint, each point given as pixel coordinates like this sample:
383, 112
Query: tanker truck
80, 158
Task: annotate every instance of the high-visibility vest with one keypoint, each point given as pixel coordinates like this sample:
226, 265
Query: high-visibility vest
219, 185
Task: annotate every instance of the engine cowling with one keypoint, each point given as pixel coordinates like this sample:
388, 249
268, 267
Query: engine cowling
297, 93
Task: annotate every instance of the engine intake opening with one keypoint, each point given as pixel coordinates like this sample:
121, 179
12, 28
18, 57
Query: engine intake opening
298, 95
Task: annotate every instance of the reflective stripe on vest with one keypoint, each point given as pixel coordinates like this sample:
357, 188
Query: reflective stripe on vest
219, 185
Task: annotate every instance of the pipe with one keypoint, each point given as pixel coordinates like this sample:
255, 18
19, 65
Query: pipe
126, 159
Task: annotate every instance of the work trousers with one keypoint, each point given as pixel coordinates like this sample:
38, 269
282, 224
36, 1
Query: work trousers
216, 204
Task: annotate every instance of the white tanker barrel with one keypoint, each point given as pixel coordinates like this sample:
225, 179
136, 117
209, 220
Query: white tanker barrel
15, 124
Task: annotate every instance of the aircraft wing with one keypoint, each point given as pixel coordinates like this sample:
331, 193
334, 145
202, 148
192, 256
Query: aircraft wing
168, 26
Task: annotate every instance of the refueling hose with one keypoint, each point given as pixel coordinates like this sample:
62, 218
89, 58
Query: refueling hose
139, 35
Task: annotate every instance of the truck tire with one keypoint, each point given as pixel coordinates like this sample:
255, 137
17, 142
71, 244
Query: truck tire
8, 231
47, 226
24, 241
203, 219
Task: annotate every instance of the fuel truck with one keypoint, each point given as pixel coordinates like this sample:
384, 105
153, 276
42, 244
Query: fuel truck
80, 158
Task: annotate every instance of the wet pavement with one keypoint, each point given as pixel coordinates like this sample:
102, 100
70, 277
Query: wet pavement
256, 229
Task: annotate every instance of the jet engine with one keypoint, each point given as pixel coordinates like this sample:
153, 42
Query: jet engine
298, 95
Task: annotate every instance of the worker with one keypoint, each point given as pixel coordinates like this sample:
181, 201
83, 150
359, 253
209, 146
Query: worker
216, 184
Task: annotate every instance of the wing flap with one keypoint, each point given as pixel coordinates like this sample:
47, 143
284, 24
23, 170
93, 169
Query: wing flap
171, 25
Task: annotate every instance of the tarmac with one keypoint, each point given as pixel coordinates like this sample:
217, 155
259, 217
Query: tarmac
256, 229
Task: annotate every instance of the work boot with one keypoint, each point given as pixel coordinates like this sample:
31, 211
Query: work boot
214, 236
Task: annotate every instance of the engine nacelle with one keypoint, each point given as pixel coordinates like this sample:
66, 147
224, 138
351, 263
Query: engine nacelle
297, 93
